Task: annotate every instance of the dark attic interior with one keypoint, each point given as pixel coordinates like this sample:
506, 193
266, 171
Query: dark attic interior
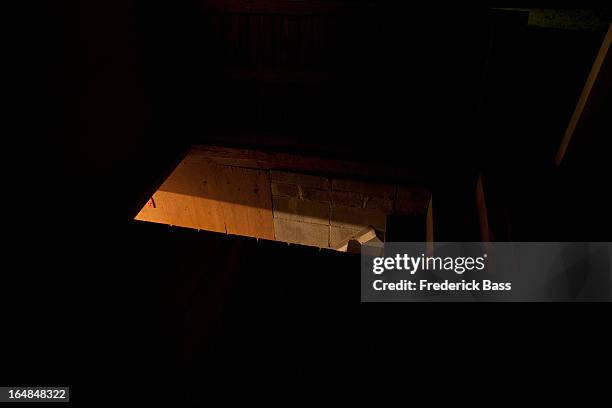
208, 170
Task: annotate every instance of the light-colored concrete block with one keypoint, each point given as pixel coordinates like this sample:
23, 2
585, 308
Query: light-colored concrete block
294, 209
340, 235
301, 233
358, 218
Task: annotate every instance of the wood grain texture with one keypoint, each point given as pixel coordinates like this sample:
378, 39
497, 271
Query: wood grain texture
204, 195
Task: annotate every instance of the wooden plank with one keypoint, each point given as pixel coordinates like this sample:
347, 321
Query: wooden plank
205, 195
592, 81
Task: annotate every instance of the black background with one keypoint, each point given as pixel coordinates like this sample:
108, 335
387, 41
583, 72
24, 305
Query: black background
114, 308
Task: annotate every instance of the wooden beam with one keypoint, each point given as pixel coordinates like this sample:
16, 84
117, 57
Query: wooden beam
592, 82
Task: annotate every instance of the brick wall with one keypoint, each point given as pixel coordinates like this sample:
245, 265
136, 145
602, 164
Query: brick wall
327, 212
